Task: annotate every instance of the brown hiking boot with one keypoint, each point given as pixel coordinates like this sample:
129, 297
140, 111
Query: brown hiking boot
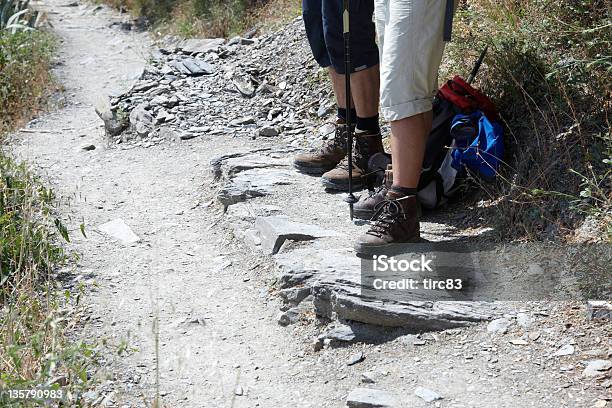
366, 145
396, 221
327, 157
364, 208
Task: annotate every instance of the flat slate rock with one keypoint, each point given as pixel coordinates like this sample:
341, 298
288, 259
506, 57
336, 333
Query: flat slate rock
113, 123
500, 325
599, 309
596, 368
119, 230
275, 230
250, 175
342, 333
235, 165
426, 394
253, 183
370, 398
218, 163
334, 276
192, 67
244, 85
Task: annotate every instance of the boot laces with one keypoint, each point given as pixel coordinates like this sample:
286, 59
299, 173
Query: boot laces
338, 141
386, 215
359, 155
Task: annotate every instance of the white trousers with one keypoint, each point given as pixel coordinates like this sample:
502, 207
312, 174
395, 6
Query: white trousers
410, 39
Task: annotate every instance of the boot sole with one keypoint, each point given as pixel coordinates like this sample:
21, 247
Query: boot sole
363, 251
363, 214
330, 185
313, 171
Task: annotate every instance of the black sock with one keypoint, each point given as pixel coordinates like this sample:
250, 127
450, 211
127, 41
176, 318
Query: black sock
404, 191
369, 125
342, 114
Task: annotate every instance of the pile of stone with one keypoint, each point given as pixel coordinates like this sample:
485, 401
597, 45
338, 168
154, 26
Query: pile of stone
254, 87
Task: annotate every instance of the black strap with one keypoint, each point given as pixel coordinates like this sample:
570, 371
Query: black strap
448, 19
439, 188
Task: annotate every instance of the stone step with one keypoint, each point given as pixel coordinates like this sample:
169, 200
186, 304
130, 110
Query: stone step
325, 270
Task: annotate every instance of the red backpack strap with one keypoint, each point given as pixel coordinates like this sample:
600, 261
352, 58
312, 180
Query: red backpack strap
467, 98
457, 97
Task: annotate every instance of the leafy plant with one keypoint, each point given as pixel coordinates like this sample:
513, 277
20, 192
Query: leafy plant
16, 15
208, 18
36, 315
24, 80
548, 71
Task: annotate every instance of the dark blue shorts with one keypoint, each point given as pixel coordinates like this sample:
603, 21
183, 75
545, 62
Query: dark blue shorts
323, 21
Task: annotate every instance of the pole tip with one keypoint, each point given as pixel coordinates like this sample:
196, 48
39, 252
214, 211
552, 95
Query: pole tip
351, 199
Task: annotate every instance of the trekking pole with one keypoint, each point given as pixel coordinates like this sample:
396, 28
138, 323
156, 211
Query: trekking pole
351, 200
476, 68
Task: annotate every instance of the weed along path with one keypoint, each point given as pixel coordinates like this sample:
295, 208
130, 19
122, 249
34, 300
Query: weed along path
204, 281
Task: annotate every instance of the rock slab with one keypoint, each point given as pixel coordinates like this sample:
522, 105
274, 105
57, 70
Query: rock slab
370, 398
335, 278
119, 230
499, 326
426, 394
113, 122
599, 309
595, 368
253, 183
200, 45
275, 230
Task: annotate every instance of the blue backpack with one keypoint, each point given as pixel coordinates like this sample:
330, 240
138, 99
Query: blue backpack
478, 144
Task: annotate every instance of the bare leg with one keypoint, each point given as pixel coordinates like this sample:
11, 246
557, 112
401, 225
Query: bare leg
365, 88
408, 140
338, 86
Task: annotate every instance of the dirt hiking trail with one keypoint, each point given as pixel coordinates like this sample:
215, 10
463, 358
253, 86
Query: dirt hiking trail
194, 306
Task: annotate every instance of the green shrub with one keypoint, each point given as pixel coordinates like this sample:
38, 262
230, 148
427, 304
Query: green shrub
26, 246
24, 63
35, 349
16, 15
35, 345
548, 72
207, 18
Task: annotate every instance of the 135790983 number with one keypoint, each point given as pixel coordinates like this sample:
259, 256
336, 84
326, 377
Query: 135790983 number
34, 394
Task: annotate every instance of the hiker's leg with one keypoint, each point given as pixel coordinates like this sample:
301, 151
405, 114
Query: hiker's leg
365, 91
333, 149
411, 37
408, 135
365, 88
408, 138
411, 56
338, 85
365, 80
365, 73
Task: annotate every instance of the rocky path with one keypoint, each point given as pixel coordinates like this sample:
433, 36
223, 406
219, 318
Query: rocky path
187, 264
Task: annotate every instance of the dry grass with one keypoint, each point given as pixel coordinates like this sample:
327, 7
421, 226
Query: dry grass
549, 73
25, 78
209, 18
35, 313
275, 13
